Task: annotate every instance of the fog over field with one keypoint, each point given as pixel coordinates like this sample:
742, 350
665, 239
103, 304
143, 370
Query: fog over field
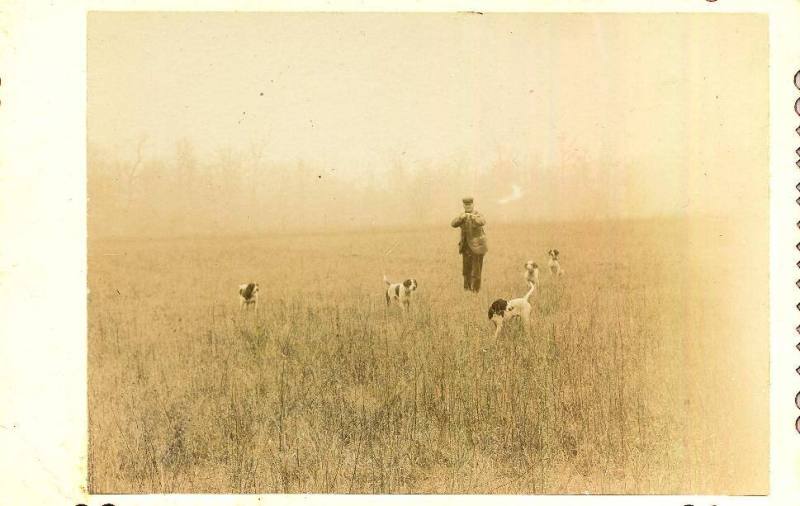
252, 122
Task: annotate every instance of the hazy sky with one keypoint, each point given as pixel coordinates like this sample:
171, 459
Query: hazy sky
671, 109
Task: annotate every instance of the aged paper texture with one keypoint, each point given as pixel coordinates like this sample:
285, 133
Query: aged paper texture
249, 252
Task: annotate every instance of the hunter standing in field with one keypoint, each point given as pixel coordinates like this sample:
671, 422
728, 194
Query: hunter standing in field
472, 245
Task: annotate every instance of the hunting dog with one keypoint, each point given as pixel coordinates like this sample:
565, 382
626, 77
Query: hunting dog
401, 293
531, 273
502, 310
554, 264
248, 295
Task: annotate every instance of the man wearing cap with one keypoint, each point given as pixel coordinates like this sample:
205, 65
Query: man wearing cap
472, 245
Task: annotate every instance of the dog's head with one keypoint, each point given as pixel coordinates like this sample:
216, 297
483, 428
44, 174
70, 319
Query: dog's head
531, 266
498, 308
410, 285
249, 290
553, 253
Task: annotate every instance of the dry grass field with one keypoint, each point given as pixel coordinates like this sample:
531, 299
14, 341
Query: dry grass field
630, 383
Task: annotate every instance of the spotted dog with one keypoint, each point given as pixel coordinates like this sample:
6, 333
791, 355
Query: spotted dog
401, 293
554, 264
248, 295
503, 310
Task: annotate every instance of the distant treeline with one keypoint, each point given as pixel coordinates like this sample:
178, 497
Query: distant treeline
244, 192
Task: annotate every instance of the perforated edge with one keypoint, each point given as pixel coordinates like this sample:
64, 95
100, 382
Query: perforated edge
797, 187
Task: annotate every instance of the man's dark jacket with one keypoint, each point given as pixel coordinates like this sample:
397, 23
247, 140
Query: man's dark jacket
472, 234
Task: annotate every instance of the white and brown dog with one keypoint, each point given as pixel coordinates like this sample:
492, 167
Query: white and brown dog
503, 310
401, 293
531, 273
248, 295
554, 264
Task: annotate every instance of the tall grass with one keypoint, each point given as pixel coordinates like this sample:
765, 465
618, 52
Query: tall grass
326, 390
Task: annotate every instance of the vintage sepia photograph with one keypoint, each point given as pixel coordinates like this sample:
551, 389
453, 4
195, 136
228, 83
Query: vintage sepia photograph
428, 253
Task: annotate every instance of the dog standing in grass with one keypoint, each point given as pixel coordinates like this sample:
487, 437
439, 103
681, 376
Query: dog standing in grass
503, 310
531, 273
401, 293
554, 264
248, 295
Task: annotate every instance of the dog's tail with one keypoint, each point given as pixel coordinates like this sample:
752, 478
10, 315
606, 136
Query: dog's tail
386, 280
533, 287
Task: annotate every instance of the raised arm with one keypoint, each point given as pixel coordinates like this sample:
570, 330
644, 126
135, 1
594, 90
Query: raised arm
457, 221
478, 219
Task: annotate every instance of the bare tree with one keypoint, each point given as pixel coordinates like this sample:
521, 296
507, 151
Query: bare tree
130, 170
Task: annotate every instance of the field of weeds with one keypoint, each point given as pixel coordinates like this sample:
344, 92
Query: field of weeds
325, 390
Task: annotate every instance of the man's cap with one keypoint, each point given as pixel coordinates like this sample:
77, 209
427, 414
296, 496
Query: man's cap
467, 200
